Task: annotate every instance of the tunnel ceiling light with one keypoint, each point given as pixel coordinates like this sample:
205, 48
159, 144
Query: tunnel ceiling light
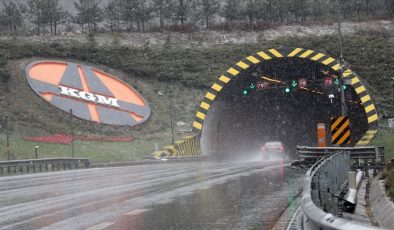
331, 97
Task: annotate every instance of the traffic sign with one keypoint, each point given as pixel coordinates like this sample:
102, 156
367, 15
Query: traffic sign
391, 122
340, 130
302, 82
90, 93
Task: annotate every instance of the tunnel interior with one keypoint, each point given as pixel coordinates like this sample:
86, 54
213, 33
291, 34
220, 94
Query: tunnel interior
271, 102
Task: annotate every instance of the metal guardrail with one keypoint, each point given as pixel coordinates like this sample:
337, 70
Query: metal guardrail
323, 182
366, 152
41, 165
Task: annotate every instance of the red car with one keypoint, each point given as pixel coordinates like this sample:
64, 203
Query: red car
273, 150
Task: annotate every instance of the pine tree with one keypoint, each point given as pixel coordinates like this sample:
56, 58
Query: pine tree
11, 16
143, 12
58, 15
181, 12
35, 11
209, 8
128, 12
4, 73
113, 15
163, 10
231, 10
89, 12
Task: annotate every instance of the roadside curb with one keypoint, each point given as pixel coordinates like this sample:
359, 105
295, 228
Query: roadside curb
382, 206
288, 217
148, 162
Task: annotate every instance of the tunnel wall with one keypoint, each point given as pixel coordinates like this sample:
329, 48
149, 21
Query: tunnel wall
265, 56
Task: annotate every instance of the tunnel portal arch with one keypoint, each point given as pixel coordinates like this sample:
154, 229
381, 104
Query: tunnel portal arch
266, 56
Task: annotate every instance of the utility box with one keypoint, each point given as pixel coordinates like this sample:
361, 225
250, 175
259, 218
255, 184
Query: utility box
321, 135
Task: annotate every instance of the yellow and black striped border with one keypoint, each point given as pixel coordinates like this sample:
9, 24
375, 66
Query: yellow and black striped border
340, 130
270, 54
188, 146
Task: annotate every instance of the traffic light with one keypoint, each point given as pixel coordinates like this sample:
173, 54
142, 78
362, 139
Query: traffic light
287, 89
294, 83
244, 92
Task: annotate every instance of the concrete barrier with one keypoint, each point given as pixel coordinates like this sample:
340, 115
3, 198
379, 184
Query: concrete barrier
382, 206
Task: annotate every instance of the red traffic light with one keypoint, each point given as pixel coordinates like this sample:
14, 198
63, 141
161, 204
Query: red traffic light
262, 85
328, 81
302, 82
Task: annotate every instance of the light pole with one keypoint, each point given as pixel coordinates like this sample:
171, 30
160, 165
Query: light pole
8, 138
392, 90
172, 127
170, 108
341, 82
36, 150
72, 133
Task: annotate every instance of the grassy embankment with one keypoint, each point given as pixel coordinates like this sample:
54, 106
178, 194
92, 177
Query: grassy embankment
180, 74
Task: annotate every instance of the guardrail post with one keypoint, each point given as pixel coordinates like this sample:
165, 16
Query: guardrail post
366, 168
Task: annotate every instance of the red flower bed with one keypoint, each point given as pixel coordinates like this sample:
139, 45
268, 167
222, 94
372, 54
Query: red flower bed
105, 138
66, 139
53, 139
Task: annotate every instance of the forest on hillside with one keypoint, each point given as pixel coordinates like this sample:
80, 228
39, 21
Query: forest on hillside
49, 17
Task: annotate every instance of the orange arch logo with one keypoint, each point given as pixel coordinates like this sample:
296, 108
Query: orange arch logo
90, 93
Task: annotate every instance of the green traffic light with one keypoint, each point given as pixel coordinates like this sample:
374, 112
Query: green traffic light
294, 83
244, 92
344, 87
287, 90
336, 81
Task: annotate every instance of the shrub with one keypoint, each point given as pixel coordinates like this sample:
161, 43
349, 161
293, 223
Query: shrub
4, 72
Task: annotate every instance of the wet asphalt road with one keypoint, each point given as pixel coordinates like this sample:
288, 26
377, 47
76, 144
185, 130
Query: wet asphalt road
192, 195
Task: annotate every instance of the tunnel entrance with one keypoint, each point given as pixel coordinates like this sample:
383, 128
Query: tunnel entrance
280, 99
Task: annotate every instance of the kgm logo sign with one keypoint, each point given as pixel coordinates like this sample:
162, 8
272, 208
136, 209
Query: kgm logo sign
91, 94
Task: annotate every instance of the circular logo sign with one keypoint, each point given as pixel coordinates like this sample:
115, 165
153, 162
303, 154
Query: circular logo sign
89, 93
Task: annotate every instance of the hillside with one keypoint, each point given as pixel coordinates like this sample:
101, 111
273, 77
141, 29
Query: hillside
171, 77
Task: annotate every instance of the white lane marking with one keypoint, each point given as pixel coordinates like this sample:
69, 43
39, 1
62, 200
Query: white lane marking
131, 200
292, 219
100, 226
136, 212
